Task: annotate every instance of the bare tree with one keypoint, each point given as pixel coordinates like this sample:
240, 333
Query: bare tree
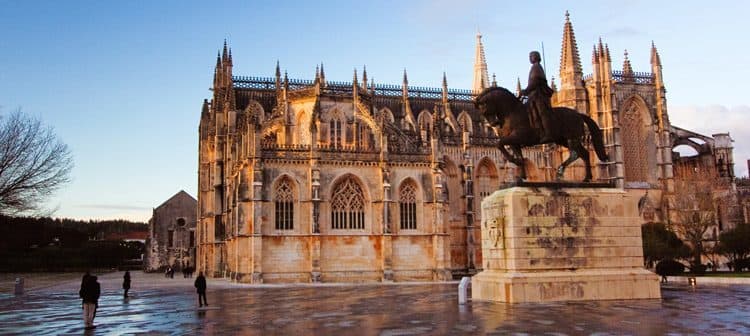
33, 163
696, 199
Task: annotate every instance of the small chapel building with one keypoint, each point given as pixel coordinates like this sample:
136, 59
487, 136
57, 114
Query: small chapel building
171, 234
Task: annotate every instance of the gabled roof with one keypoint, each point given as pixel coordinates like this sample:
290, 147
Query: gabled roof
180, 194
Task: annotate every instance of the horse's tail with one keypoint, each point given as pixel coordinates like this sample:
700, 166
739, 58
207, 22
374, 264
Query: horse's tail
596, 138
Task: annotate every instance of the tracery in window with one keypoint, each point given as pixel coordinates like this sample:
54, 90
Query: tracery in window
348, 206
284, 202
408, 206
634, 143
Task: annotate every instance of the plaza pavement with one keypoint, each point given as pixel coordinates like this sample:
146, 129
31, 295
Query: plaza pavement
160, 306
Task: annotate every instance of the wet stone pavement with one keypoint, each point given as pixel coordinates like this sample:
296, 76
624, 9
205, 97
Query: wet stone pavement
160, 306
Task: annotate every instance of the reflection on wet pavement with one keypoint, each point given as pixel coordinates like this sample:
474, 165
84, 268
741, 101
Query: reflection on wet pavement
409, 309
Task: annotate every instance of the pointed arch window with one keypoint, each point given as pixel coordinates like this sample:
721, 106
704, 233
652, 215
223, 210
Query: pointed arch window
336, 133
634, 143
408, 206
284, 202
348, 206
464, 121
484, 182
425, 125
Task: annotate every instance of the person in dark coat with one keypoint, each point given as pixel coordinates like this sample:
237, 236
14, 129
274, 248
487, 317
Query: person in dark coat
200, 286
89, 293
83, 280
126, 283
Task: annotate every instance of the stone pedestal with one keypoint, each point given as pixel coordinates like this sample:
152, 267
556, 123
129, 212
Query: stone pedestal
542, 245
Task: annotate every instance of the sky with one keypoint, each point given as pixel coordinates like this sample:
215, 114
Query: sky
122, 82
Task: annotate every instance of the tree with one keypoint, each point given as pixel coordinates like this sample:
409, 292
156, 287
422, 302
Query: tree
734, 244
661, 244
695, 203
33, 163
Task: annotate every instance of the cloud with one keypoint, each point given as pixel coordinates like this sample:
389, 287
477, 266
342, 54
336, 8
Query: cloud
113, 207
712, 119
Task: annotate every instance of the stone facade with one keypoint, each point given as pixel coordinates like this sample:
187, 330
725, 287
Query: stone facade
311, 180
171, 239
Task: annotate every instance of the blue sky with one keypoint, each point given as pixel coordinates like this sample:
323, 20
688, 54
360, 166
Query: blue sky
122, 81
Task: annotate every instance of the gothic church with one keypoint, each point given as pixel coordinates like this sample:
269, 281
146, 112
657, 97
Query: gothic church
324, 181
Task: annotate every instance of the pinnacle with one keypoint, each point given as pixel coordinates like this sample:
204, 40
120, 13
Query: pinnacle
655, 59
570, 61
626, 66
481, 78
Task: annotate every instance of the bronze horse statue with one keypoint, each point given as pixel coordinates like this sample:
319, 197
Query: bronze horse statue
510, 117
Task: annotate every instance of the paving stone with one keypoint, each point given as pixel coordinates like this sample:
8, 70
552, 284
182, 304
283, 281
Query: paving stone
169, 307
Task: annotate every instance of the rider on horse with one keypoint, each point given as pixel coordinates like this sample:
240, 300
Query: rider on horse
539, 105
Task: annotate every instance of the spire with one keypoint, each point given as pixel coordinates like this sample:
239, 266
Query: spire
494, 80
655, 59
355, 84
227, 65
595, 56
445, 87
286, 81
405, 86
372, 86
224, 53
481, 79
606, 53
552, 85
656, 67
317, 73
322, 75
217, 70
364, 77
278, 76
627, 69
518, 86
571, 71
601, 50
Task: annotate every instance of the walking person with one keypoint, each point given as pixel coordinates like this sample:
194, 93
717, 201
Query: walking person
89, 293
126, 283
200, 285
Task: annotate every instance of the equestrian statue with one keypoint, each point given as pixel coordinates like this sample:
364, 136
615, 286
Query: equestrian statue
537, 122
